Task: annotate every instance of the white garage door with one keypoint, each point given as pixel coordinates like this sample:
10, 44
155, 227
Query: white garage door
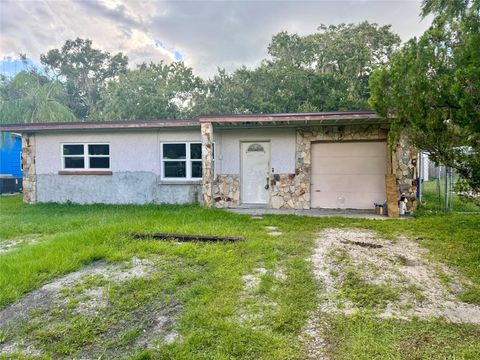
348, 174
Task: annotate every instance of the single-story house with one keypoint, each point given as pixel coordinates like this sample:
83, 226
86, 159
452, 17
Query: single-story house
10, 164
281, 161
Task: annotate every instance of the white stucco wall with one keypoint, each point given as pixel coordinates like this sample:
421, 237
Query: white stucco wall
129, 151
228, 141
135, 162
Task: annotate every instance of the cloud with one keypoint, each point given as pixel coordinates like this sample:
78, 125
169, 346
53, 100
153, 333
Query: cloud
204, 34
175, 55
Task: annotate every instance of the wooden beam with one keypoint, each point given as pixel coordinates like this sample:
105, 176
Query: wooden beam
391, 186
186, 237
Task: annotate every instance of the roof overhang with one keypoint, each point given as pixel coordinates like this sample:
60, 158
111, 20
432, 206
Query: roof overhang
100, 125
221, 121
295, 120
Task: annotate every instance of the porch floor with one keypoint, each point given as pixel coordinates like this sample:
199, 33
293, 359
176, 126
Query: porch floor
349, 213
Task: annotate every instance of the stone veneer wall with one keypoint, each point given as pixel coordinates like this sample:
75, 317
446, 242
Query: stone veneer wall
29, 169
289, 191
207, 163
226, 191
292, 191
404, 162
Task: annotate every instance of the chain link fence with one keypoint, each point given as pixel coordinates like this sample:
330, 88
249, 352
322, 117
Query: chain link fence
443, 190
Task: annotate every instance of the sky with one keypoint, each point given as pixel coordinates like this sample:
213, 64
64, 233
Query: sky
203, 34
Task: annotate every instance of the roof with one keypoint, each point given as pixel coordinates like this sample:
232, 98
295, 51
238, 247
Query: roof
275, 120
296, 119
93, 125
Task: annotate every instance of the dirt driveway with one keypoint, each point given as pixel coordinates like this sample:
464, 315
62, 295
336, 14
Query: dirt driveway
391, 278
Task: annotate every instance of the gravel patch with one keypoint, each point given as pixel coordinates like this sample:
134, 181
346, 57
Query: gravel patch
312, 338
161, 329
251, 281
255, 306
61, 292
13, 244
271, 227
16, 348
402, 264
275, 233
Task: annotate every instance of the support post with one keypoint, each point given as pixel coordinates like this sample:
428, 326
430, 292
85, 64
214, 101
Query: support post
451, 189
207, 164
446, 189
391, 186
420, 176
29, 169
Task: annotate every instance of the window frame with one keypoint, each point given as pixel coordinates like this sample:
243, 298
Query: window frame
188, 161
86, 157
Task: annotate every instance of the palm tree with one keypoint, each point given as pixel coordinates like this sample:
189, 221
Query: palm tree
30, 98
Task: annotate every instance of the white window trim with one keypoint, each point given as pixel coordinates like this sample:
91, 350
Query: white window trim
187, 159
86, 157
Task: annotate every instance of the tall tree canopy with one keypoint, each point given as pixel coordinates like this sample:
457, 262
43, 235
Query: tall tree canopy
432, 87
154, 91
85, 72
324, 71
30, 97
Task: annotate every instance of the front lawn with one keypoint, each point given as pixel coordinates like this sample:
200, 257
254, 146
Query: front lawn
246, 300
434, 202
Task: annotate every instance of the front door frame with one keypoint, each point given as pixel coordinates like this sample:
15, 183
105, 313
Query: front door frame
267, 204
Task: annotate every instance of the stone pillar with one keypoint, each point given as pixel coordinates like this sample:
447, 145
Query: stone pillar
207, 164
401, 175
303, 167
29, 169
405, 169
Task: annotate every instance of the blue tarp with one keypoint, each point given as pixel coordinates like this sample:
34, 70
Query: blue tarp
11, 146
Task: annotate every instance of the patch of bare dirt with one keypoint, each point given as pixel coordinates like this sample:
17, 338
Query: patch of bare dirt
12, 244
401, 264
161, 328
255, 305
89, 298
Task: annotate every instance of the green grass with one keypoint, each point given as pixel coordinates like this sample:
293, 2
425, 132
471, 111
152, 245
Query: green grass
365, 295
433, 203
361, 293
364, 337
205, 281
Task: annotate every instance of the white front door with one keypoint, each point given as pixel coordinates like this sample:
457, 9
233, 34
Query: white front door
255, 172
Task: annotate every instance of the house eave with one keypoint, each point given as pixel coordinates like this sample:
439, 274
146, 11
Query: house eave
223, 121
100, 125
295, 120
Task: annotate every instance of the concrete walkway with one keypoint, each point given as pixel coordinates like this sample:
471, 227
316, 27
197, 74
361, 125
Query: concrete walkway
359, 214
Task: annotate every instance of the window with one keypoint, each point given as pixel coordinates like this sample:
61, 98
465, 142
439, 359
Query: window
182, 161
255, 148
85, 156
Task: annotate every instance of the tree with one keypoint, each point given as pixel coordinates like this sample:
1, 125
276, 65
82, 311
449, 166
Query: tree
431, 88
30, 97
154, 91
324, 71
85, 72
